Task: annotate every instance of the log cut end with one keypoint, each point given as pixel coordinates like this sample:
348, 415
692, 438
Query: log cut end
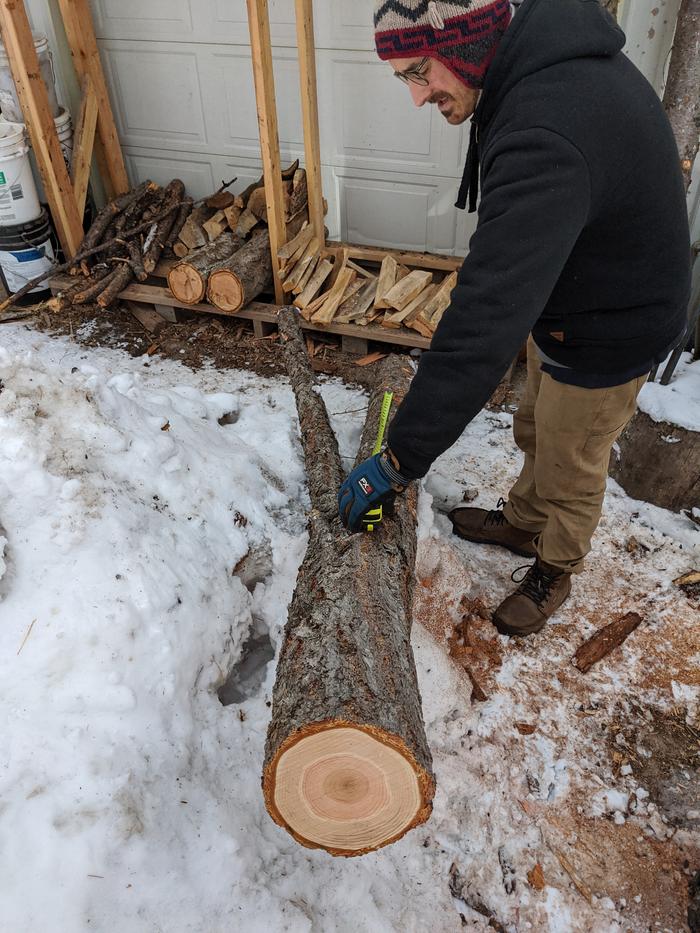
225, 291
347, 790
186, 283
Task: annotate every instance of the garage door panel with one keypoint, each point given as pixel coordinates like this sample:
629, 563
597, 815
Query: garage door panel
157, 95
156, 19
162, 167
368, 119
343, 25
407, 213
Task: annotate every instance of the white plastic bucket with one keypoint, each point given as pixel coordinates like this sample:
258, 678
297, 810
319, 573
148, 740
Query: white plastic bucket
19, 201
26, 251
64, 129
9, 101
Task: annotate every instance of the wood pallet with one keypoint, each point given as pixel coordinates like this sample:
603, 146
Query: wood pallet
354, 338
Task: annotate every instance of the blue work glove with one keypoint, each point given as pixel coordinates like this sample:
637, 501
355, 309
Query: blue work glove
372, 484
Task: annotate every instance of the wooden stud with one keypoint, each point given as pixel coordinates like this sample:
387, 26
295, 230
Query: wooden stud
309, 110
84, 143
80, 31
261, 49
33, 96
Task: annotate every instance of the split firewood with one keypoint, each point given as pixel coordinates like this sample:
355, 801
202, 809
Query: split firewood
306, 277
421, 325
315, 283
411, 310
389, 275
309, 255
241, 278
327, 312
257, 204
295, 245
365, 273
192, 233
356, 285
346, 710
356, 306
188, 279
408, 288
246, 222
299, 198
233, 215
440, 301
215, 226
605, 641
314, 306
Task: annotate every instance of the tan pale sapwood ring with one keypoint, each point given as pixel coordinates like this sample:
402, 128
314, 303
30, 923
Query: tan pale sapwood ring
346, 789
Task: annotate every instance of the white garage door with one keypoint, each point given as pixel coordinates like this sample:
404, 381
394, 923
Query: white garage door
182, 88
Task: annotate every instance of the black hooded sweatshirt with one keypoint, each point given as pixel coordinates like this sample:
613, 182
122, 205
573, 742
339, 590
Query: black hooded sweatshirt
582, 235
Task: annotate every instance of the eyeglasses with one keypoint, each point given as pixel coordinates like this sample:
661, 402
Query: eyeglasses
416, 74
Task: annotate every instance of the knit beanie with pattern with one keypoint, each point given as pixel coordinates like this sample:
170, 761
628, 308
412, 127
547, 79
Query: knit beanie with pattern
462, 34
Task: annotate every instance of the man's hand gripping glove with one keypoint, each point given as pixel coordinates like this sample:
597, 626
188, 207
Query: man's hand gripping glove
374, 483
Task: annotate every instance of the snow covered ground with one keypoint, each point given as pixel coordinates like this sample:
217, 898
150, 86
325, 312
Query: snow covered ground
154, 521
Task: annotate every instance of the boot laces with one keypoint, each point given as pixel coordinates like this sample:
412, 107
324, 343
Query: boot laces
536, 584
496, 516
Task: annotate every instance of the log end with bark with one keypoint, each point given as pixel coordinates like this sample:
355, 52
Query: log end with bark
346, 788
347, 763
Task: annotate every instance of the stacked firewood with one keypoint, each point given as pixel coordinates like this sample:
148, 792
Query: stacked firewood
225, 256
329, 287
125, 242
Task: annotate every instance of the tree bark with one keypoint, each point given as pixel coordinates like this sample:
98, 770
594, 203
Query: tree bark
659, 463
605, 640
346, 712
188, 279
240, 279
172, 202
682, 93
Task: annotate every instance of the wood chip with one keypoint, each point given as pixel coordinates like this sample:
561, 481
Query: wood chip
535, 878
605, 640
370, 358
688, 579
525, 728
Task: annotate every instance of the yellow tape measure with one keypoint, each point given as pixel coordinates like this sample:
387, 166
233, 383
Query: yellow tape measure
375, 516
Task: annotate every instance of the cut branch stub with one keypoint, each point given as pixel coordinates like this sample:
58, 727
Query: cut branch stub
347, 764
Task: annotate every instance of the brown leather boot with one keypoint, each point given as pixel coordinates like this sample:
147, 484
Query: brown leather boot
541, 593
492, 527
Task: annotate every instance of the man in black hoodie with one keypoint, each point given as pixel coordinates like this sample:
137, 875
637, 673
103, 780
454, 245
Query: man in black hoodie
582, 243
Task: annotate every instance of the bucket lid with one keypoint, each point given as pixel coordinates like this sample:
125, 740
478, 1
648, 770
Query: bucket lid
11, 134
41, 44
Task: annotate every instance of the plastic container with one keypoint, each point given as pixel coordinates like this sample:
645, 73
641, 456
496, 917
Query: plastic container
64, 129
9, 101
26, 250
19, 201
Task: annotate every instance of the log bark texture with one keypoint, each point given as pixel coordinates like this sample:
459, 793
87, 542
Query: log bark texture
346, 662
188, 279
605, 641
682, 92
244, 276
659, 463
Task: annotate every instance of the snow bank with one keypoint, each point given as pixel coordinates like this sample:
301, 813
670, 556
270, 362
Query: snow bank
679, 402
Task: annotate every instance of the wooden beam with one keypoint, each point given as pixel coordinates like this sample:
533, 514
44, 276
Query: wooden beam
80, 31
84, 143
24, 64
405, 257
261, 48
309, 110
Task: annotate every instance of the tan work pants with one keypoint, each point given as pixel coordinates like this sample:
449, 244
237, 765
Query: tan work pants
566, 433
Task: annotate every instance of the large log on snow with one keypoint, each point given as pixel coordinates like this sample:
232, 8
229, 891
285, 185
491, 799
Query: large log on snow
347, 764
659, 463
188, 279
244, 276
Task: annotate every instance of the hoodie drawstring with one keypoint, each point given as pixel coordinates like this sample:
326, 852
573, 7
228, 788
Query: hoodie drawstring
470, 178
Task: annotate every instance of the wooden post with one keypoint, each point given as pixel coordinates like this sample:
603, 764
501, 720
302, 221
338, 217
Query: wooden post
309, 108
84, 142
33, 96
80, 31
261, 48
